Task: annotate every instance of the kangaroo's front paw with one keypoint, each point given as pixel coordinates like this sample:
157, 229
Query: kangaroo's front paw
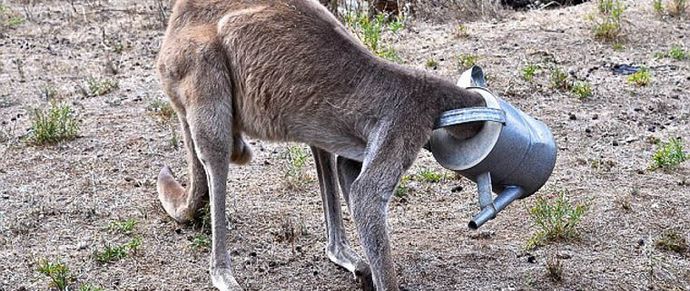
223, 280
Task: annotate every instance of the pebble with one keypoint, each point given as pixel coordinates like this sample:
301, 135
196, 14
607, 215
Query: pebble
572, 116
595, 116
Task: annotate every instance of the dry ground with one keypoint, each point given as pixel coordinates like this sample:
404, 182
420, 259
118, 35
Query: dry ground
57, 202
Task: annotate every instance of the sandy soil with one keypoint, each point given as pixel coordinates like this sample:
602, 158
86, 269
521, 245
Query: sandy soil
56, 202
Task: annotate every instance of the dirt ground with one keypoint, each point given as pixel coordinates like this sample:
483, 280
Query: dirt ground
57, 202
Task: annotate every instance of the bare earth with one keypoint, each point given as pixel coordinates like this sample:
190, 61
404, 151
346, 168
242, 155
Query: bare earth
56, 202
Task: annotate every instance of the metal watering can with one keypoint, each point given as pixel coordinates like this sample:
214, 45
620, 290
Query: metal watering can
512, 155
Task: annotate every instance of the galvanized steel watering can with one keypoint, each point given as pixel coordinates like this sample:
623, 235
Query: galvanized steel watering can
512, 155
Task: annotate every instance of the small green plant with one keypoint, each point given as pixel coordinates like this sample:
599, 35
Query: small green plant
115, 253
162, 109
295, 173
432, 64
658, 6
403, 189
111, 254
133, 245
397, 23
57, 123
669, 154
201, 242
641, 78
430, 176
582, 90
369, 31
559, 79
461, 31
100, 87
678, 53
466, 61
618, 46
556, 219
529, 71
14, 21
671, 240
58, 273
123, 226
608, 22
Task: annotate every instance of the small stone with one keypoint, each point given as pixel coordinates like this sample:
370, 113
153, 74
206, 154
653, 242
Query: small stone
615, 143
595, 116
82, 245
588, 130
572, 116
531, 259
456, 189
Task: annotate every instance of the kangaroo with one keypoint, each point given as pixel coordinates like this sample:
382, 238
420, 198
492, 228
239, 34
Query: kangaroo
288, 71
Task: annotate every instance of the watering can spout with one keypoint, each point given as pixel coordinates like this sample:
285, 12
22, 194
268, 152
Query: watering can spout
488, 212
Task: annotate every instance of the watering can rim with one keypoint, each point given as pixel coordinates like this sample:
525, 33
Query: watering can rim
485, 140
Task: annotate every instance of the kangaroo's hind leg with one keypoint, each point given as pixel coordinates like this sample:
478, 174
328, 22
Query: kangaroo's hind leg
338, 248
195, 75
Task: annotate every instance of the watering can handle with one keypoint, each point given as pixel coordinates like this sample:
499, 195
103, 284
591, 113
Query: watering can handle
472, 114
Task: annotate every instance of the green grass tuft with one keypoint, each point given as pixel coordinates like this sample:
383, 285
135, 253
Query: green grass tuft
529, 71
678, 53
582, 90
115, 253
201, 242
123, 226
669, 154
296, 176
430, 176
403, 188
608, 21
58, 273
641, 78
100, 87
431, 64
556, 218
57, 123
671, 240
467, 61
369, 31
559, 79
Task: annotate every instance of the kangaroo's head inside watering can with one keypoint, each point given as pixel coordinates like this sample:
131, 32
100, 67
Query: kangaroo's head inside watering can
513, 154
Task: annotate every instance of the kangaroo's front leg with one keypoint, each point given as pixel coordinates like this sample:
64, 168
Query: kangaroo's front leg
388, 158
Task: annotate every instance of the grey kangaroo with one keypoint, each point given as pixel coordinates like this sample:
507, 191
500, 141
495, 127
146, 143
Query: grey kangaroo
287, 70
